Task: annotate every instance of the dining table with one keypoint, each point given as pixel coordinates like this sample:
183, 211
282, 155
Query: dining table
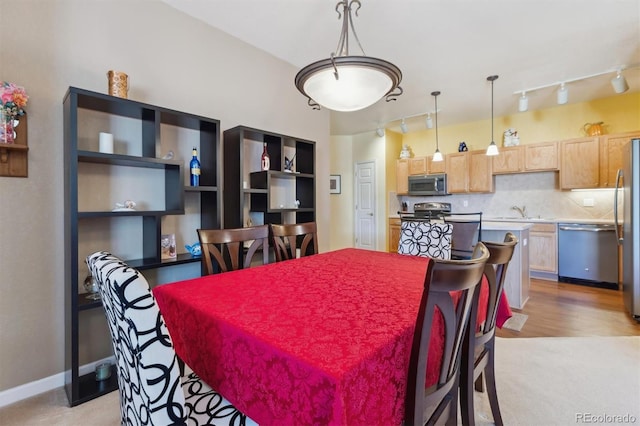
320, 340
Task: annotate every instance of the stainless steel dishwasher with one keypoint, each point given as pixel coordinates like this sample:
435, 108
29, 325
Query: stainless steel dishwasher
588, 254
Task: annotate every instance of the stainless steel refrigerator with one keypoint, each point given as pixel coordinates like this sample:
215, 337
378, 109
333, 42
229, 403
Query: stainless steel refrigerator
627, 211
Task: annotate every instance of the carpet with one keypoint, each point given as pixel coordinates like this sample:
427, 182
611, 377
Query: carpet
565, 381
516, 322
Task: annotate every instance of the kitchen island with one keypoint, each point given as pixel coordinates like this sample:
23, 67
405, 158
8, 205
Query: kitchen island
517, 281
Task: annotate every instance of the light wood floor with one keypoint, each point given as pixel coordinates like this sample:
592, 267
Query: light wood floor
565, 310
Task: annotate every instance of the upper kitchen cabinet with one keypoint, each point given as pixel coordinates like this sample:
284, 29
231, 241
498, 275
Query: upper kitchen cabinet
509, 160
436, 167
540, 157
469, 172
580, 163
480, 172
418, 166
283, 194
611, 156
402, 176
458, 176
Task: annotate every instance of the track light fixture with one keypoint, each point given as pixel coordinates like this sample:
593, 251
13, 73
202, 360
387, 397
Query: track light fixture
619, 83
403, 126
380, 132
492, 149
437, 156
562, 95
523, 102
345, 82
429, 121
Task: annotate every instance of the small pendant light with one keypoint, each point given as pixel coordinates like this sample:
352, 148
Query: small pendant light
493, 148
437, 156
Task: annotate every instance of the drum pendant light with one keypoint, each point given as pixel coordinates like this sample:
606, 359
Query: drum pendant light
493, 148
437, 156
348, 83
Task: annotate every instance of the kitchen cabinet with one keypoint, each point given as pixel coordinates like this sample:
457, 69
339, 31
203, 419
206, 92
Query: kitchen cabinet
543, 251
611, 156
509, 160
540, 157
418, 166
469, 172
402, 176
480, 172
259, 196
394, 234
580, 163
437, 166
457, 178
95, 181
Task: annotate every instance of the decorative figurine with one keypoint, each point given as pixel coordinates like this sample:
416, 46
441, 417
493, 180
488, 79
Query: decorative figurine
127, 206
463, 147
288, 164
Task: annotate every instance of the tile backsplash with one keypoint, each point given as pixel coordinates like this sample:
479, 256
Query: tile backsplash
538, 192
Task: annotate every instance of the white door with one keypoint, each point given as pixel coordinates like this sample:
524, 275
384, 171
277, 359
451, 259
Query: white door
366, 205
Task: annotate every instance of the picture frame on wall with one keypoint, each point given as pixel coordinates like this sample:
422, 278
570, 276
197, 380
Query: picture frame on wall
334, 184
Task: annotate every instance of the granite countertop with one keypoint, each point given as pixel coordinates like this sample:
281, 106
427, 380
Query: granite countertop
547, 220
532, 220
506, 226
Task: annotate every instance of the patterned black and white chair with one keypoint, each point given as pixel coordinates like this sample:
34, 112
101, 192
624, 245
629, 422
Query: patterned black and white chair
424, 238
151, 389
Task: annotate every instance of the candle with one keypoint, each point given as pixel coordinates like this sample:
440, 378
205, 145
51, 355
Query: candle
106, 143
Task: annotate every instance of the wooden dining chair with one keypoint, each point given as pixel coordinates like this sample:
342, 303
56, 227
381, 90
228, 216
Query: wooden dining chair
479, 349
466, 232
287, 238
152, 391
449, 286
223, 249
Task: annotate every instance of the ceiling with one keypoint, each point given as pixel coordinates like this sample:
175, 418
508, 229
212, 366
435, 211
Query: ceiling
450, 46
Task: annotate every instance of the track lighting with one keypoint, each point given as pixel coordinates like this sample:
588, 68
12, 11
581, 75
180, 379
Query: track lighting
523, 102
429, 121
562, 95
619, 83
492, 149
403, 126
380, 132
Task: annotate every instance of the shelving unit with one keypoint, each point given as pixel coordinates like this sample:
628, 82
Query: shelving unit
94, 180
272, 194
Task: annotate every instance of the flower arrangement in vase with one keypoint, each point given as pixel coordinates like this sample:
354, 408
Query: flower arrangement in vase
13, 99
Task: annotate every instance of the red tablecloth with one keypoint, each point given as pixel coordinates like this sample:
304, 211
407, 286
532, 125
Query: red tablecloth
321, 340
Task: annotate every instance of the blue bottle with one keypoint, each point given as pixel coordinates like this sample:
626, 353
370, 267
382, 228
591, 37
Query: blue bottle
194, 167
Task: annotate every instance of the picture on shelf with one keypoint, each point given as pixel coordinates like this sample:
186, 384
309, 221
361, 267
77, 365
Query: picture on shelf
168, 246
334, 184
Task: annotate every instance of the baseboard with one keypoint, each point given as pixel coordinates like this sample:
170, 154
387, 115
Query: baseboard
46, 384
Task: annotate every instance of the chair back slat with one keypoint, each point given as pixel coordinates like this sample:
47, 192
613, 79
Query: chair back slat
222, 249
285, 239
448, 291
500, 255
467, 231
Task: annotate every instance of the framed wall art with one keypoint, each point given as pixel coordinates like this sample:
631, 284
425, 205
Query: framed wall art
334, 184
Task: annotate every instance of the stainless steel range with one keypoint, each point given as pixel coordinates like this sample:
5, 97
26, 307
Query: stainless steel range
431, 210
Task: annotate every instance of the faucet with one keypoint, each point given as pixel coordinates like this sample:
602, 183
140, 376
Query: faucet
522, 210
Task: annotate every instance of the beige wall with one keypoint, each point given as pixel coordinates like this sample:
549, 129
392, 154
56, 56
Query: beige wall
173, 61
342, 231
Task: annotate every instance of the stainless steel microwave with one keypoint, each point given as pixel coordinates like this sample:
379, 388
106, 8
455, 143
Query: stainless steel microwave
428, 185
